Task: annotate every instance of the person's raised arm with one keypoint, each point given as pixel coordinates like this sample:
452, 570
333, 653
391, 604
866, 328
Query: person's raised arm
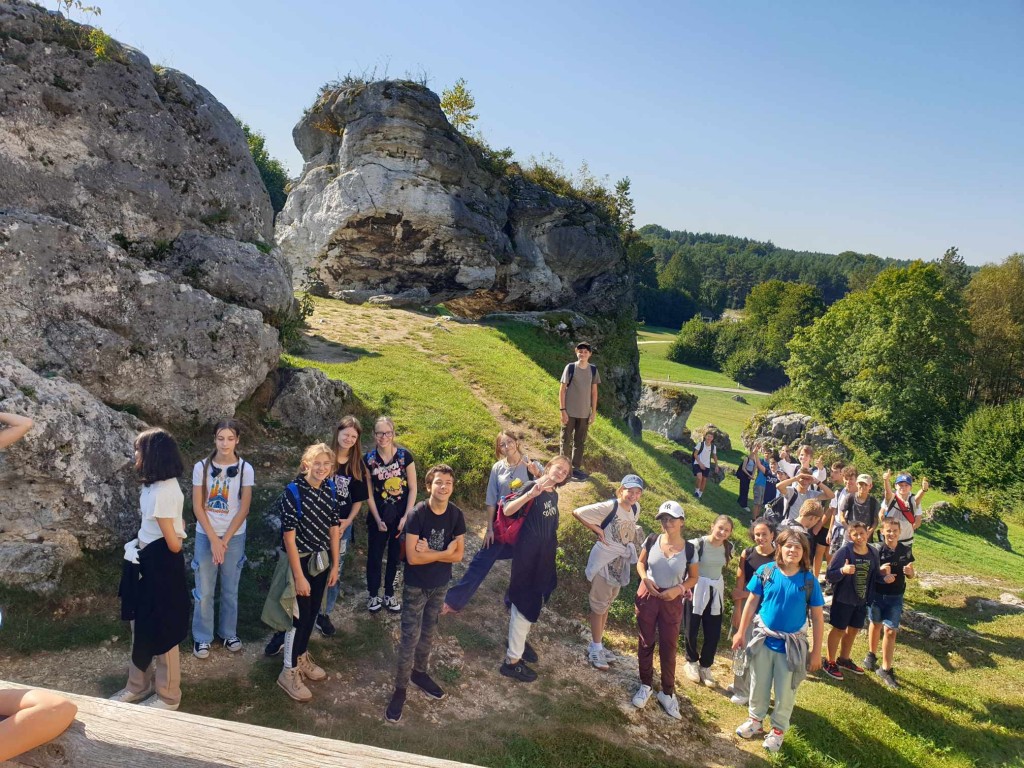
520, 501
15, 428
826, 492
887, 485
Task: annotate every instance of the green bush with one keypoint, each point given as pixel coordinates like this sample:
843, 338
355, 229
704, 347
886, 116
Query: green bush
695, 344
989, 451
752, 367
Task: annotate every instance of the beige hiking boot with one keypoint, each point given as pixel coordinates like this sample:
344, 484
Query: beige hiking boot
291, 681
310, 669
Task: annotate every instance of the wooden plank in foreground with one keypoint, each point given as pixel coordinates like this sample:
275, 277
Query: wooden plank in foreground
107, 734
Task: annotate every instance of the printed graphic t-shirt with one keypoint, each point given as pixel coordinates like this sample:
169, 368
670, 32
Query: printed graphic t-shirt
222, 492
389, 483
350, 490
439, 531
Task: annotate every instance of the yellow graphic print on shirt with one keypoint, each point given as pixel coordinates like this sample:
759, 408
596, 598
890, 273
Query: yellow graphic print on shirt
217, 499
393, 487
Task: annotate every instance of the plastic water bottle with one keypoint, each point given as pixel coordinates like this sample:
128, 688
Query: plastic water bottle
739, 662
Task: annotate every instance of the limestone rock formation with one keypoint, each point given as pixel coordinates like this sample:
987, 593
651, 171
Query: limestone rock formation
308, 402
75, 305
117, 145
777, 428
68, 482
665, 411
392, 198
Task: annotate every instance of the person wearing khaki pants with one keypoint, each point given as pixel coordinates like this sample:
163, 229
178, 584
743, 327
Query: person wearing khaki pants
162, 678
577, 403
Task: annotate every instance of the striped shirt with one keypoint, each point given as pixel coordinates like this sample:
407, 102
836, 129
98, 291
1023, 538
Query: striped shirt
320, 512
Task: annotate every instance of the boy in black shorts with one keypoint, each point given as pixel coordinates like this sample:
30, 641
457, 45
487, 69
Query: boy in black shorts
852, 572
886, 606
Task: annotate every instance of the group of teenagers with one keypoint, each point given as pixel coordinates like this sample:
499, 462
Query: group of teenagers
681, 588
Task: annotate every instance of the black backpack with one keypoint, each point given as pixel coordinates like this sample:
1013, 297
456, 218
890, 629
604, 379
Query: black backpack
572, 372
777, 509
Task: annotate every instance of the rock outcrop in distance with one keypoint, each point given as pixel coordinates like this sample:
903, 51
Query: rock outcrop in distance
137, 276
392, 200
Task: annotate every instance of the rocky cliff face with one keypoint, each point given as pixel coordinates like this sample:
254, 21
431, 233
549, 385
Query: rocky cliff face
393, 201
391, 198
130, 215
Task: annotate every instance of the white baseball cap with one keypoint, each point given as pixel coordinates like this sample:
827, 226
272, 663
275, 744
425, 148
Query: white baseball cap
671, 509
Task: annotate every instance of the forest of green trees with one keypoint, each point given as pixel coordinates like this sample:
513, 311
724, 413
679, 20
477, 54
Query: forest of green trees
680, 274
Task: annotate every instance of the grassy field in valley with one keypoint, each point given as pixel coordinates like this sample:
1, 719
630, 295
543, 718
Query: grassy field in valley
654, 346
450, 386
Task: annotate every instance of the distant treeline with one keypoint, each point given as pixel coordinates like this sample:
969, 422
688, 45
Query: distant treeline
680, 274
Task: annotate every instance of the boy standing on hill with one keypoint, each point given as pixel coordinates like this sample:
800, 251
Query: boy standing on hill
852, 572
434, 538
577, 402
886, 609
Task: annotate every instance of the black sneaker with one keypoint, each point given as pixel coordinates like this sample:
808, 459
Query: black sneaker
394, 711
579, 474
870, 662
427, 684
530, 654
888, 677
518, 671
323, 623
276, 644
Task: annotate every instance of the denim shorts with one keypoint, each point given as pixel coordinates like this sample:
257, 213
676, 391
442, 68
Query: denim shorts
845, 615
887, 610
758, 495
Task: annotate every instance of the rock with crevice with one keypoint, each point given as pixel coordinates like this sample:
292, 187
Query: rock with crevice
392, 198
721, 440
69, 483
77, 306
118, 145
792, 429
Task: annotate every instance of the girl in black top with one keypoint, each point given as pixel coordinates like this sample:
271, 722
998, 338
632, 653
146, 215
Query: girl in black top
533, 561
752, 558
310, 531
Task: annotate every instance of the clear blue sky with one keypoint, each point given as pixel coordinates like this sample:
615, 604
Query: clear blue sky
881, 127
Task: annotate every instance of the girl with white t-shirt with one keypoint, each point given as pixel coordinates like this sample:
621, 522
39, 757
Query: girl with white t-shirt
153, 591
221, 493
704, 609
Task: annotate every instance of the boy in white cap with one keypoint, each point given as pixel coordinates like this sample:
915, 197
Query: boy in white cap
609, 567
902, 506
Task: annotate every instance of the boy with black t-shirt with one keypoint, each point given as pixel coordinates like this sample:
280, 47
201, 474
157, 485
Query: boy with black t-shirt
852, 572
886, 606
434, 539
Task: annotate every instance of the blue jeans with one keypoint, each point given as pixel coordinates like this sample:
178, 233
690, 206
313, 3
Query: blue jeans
475, 574
206, 573
333, 592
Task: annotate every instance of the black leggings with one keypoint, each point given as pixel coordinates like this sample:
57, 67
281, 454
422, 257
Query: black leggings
377, 543
712, 626
309, 607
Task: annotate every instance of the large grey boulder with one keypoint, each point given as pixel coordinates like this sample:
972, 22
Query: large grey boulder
391, 198
665, 411
68, 483
80, 307
309, 402
120, 145
791, 428
721, 440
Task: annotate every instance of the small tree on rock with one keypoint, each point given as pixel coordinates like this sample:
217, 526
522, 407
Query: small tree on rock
458, 104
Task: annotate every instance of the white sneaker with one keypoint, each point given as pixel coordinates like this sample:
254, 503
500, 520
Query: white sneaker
392, 604
374, 604
692, 671
597, 659
737, 699
751, 727
697, 494
706, 677
670, 704
155, 702
127, 697
610, 657
642, 695
773, 741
